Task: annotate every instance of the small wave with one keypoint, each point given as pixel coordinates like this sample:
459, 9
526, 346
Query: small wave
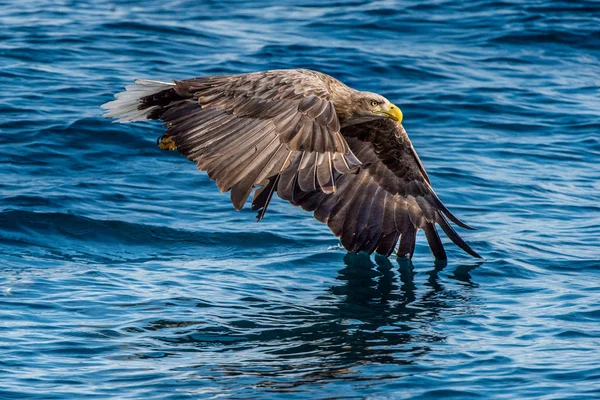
68, 230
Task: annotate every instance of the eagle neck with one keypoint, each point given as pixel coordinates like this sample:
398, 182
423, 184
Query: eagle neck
344, 100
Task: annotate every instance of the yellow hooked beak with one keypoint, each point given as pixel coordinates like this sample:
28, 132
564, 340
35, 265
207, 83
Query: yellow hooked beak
394, 113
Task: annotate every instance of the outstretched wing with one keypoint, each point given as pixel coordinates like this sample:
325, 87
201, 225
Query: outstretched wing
388, 198
242, 129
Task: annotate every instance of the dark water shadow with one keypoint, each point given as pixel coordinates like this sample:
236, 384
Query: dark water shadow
392, 309
375, 314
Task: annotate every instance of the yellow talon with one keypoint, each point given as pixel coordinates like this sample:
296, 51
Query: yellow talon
167, 143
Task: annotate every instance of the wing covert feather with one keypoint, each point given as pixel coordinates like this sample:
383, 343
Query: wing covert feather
243, 129
385, 201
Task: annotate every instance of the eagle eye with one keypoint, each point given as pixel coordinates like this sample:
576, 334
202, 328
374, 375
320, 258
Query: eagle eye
375, 103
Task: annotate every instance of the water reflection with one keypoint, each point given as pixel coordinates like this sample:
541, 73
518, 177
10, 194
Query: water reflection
375, 314
379, 317
391, 318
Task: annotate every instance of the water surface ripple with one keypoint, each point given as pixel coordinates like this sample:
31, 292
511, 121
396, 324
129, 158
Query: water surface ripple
125, 274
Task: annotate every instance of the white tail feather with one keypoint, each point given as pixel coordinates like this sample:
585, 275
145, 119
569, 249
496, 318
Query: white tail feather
125, 107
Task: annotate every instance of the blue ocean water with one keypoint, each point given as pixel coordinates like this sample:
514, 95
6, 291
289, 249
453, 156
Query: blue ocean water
125, 274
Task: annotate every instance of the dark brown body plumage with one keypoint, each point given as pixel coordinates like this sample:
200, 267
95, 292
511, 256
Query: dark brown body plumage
298, 133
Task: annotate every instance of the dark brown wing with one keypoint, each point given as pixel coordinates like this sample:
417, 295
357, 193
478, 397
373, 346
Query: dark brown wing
387, 199
242, 129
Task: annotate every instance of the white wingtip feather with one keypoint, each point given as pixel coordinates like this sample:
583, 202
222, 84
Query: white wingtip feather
124, 107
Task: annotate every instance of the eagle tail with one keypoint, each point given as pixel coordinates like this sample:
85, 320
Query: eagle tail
128, 106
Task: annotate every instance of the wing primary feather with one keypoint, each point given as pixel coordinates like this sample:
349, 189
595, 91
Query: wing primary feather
304, 160
307, 174
387, 243
369, 231
264, 198
260, 195
336, 218
284, 187
324, 173
456, 239
244, 184
223, 157
451, 216
388, 207
360, 202
435, 243
326, 207
407, 241
375, 226
233, 166
274, 164
225, 173
328, 183
312, 200
295, 189
363, 217
352, 160
340, 164
219, 139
